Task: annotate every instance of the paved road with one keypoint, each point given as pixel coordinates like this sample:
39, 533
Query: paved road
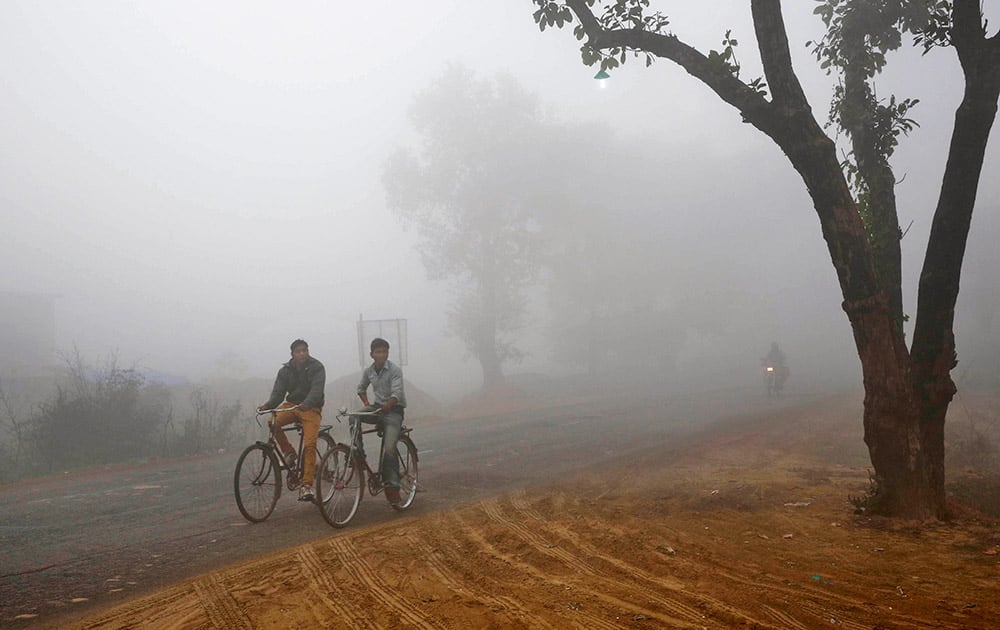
105, 535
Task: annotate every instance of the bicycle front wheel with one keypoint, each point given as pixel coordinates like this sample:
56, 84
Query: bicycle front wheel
407, 455
340, 483
257, 482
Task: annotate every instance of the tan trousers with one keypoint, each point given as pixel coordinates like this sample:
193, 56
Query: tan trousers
310, 421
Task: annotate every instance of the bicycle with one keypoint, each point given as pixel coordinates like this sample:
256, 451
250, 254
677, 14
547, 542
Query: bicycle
257, 480
340, 476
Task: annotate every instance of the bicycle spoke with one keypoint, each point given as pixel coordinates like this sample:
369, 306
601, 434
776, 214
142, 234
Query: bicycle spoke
340, 485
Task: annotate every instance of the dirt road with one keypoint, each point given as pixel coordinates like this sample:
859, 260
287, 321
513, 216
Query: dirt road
82, 541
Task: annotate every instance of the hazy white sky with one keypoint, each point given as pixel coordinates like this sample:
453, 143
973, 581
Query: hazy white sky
197, 180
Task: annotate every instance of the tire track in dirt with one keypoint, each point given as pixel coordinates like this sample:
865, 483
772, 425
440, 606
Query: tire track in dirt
383, 592
492, 509
519, 499
821, 605
675, 606
784, 619
222, 610
124, 616
590, 620
714, 607
505, 606
323, 585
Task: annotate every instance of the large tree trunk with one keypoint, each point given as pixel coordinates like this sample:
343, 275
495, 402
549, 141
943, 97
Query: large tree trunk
485, 344
903, 432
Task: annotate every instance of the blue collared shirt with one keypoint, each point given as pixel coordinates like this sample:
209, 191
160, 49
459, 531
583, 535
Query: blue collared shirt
385, 384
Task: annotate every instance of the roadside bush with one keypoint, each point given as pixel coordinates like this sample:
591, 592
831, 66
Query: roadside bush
209, 426
108, 414
99, 415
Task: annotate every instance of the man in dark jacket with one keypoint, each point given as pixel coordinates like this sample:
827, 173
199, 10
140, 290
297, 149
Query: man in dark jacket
299, 384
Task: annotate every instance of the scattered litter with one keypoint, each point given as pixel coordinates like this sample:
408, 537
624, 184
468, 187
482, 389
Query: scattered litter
77, 600
639, 618
715, 492
667, 549
26, 616
990, 552
900, 591
786, 536
764, 536
879, 548
798, 504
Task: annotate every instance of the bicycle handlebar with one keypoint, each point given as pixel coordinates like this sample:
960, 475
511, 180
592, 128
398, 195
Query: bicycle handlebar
344, 412
264, 412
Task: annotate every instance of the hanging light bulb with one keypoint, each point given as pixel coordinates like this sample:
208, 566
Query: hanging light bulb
603, 77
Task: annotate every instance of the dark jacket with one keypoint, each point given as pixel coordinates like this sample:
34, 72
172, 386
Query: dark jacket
301, 386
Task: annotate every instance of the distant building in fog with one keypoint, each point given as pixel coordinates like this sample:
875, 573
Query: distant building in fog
27, 333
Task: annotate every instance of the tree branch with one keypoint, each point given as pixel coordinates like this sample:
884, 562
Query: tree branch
772, 41
933, 336
754, 107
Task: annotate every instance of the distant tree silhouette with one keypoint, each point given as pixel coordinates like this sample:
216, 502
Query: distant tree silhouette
463, 191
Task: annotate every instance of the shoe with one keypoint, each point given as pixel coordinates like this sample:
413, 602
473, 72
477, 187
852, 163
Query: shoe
289, 459
306, 494
392, 493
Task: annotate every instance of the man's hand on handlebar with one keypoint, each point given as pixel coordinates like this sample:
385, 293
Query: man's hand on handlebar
262, 409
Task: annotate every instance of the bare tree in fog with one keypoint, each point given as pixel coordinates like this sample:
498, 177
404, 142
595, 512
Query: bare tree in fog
13, 436
907, 390
463, 190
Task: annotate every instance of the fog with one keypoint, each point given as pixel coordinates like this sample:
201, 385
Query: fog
195, 185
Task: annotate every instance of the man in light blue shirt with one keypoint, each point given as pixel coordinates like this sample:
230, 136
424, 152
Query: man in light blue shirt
386, 381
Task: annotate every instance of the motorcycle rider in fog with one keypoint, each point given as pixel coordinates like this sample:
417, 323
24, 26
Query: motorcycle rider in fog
776, 360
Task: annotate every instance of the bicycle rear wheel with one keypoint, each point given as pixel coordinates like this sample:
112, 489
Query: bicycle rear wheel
323, 444
407, 455
257, 482
340, 484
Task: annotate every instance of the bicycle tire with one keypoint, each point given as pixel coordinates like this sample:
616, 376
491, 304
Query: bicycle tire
406, 452
340, 484
320, 441
257, 482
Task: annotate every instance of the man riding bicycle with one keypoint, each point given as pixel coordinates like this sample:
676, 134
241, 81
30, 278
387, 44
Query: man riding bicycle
300, 384
386, 380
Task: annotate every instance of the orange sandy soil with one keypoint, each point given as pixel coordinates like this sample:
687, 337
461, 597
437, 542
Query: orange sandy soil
750, 527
